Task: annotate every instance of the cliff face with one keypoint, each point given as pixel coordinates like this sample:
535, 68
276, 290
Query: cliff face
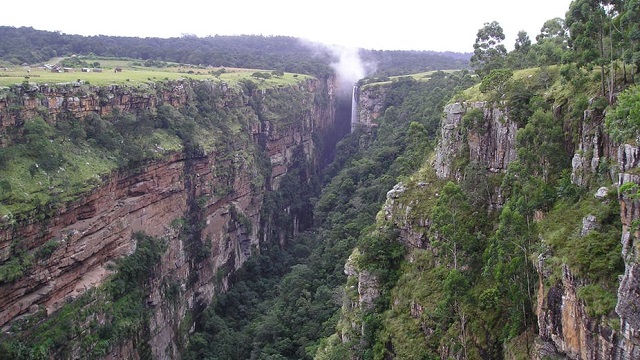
80, 100
362, 291
563, 321
565, 326
594, 149
629, 290
160, 199
489, 142
371, 101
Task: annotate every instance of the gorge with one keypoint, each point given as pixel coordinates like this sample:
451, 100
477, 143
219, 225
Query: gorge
190, 212
204, 204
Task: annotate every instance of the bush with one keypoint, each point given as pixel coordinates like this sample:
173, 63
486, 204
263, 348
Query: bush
45, 251
598, 301
623, 123
473, 119
496, 81
14, 268
261, 75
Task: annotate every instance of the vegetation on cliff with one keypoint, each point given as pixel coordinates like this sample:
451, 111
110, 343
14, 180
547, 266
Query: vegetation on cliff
449, 268
215, 118
48, 163
467, 285
265, 316
114, 312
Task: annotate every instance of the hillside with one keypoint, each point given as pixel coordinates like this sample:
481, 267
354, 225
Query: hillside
125, 209
115, 71
516, 239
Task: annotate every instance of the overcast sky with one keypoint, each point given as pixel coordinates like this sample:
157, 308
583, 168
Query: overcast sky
449, 25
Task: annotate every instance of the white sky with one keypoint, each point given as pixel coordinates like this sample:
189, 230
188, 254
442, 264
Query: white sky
373, 24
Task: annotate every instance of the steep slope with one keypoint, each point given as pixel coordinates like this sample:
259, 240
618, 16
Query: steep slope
263, 316
516, 243
184, 191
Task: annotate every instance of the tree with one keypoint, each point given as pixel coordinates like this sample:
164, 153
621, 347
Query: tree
552, 43
623, 123
540, 146
496, 81
523, 42
585, 20
630, 27
519, 58
507, 263
453, 226
553, 29
589, 23
488, 51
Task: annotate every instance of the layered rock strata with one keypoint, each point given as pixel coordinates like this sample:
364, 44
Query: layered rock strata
490, 143
158, 199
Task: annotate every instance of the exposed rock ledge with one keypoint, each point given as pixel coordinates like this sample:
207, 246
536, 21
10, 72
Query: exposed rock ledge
98, 228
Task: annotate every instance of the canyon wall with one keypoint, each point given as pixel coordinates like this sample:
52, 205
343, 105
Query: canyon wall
209, 233
489, 142
371, 100
629, 290
563, 319
566, 329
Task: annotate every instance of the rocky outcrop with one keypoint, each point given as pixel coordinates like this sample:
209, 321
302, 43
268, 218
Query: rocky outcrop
368, 289
360, 294
629, 290
159, 199
565, 325
562, 317
491, 142
371, 102
594, 149
399, 209
55, 102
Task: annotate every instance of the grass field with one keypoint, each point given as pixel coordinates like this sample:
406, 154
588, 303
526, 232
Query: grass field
133, 73
423, 76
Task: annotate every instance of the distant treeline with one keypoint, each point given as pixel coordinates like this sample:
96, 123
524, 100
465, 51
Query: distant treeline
28, 45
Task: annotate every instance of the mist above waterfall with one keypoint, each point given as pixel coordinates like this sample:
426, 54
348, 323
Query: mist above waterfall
348, 65
349, 68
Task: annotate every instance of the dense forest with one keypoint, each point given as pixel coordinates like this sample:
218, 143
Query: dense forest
27, 45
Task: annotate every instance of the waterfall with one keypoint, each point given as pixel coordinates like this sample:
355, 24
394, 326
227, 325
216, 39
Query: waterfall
354, 107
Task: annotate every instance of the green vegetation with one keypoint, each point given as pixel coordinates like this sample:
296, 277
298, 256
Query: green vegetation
137, 75
279, 53
48, 165
474, 274
624, 122
595, 256
466, 286
385, 80
488, 51
264, 316
116, 311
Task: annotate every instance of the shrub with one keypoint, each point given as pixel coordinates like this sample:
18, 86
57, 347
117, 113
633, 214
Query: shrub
623, 123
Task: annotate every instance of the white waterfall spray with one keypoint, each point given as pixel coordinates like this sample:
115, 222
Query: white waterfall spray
349, 69
354, 107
